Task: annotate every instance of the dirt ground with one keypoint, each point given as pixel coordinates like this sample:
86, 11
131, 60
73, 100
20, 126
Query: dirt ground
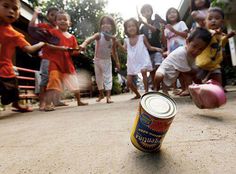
95, 139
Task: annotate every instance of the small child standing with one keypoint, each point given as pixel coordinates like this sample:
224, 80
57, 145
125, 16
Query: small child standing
175, 35
105, 45
176, 31
9, 40
51, 14
182, 58
152, 30
61, 67
198, 10
210, 59
138, 59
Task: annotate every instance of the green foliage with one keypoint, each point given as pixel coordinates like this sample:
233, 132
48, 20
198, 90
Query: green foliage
215, 3
116, 88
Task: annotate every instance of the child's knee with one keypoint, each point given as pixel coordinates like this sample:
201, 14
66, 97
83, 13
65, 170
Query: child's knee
159, 76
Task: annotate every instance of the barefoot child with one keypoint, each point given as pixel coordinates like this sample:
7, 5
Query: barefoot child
61, 67
175, 35
9, 40
138, 59
152, 30
105, 45
51, 15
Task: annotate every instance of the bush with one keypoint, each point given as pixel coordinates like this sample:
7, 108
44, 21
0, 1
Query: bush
116, 88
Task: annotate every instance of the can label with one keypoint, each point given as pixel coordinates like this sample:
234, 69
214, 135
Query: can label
148, 130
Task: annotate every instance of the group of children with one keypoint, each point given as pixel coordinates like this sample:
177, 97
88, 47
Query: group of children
184, 57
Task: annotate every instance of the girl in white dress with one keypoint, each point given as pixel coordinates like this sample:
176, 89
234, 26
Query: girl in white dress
138, 59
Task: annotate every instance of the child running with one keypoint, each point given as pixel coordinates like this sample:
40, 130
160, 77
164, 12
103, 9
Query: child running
9, 40
105, 45
138, 59
182, 58
61, 67
210, 59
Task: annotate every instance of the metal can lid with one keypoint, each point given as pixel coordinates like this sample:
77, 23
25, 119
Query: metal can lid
158, 105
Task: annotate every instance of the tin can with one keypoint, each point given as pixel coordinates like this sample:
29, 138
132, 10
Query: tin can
155, 114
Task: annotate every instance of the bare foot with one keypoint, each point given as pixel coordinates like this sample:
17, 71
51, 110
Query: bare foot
184, 93
166, 92
176, 91
81, 103
136, 97
100, 98
109, 101
61, 104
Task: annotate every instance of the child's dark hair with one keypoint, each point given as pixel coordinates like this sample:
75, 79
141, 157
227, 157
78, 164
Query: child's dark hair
193, 6
146, 6
62, 12
200, 33
218, 10
167, 13
111, 20
50, 9
126, 23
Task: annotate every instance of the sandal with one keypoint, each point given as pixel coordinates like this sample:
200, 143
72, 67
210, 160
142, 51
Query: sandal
19, 108
22, 110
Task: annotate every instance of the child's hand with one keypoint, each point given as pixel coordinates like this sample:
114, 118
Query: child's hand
170, 27
231, 33
159, 50
165, 54
118, 66
82, 48
142, 19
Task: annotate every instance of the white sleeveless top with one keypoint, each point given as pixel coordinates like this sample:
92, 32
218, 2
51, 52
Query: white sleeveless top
137, 57
103, 48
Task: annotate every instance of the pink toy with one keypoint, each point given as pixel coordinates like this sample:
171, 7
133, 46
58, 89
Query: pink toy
207, 96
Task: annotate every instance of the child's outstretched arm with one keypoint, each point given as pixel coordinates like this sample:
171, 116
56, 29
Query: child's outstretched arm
225, 37
35, 16
33, 48
89, 40
56, 47
149, 47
